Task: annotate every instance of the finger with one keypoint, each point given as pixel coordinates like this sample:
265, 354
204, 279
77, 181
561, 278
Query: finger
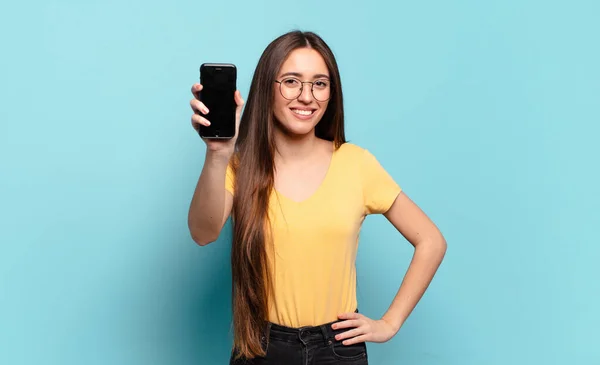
238, 98
349, 316
348, 334
346, 324
198, 120
239, 102
357, 339
196, 88
198, 106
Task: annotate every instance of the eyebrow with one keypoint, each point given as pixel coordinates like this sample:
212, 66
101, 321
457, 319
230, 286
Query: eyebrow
296, 74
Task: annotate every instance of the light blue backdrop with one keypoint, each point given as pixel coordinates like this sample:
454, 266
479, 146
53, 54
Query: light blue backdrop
485, 112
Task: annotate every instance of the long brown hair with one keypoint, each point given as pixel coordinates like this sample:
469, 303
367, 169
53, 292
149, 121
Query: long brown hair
253, 166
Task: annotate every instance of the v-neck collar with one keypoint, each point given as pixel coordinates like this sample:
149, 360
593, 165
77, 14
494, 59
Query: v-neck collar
319, 188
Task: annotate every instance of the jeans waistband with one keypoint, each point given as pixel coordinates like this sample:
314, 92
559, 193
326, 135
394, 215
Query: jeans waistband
305, 335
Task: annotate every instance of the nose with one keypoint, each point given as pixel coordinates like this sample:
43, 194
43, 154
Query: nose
306, 94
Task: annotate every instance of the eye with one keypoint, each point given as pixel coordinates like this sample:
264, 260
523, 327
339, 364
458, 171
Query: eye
321, 84
291, 82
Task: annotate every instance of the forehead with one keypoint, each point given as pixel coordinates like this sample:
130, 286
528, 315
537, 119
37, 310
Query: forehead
305, 61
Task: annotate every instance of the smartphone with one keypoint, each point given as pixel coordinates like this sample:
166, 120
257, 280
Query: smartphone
218, 88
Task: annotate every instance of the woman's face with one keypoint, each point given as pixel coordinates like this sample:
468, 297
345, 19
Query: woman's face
299, 112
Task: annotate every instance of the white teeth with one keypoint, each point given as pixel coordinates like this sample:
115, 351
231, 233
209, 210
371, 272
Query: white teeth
302, 112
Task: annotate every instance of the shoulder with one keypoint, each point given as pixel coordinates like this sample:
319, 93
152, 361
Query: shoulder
353, 153
358, 158
351, 149
351, 159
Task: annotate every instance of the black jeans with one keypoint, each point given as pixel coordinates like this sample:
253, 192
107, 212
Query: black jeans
306, 346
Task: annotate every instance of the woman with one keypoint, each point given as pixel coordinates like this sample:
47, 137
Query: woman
298, 194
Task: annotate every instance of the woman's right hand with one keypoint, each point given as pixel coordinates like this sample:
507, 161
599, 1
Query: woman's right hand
224, 146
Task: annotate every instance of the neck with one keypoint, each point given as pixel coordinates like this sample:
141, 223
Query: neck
290, 148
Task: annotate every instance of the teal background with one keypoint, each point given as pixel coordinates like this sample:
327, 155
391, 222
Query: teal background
485, 112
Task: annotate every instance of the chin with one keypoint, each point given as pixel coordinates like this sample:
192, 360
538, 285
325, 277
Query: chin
297, 128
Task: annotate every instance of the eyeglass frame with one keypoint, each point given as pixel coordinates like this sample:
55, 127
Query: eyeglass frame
312, 85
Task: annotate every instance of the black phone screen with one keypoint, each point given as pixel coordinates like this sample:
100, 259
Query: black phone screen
218, 89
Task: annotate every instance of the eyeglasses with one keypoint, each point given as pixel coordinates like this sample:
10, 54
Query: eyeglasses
291, 88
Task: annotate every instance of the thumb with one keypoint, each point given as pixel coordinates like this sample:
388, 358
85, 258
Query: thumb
239, 102
238, 110
238, 99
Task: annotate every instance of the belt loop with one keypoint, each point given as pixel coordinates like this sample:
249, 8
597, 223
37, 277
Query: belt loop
267, 334
326, 337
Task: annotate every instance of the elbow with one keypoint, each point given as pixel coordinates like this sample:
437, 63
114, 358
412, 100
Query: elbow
439, 243
201, 233
436, 246
202, 240
202, 237
441, 246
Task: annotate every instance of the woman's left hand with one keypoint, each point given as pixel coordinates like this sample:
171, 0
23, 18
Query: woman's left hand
363, 329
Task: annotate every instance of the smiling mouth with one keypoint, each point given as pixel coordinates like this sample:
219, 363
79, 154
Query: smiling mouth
303, 111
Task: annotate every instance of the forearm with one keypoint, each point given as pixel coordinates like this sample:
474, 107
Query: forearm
205, 217
424, 264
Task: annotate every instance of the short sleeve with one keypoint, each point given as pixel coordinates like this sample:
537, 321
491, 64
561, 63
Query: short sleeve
229, 179
379, 188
